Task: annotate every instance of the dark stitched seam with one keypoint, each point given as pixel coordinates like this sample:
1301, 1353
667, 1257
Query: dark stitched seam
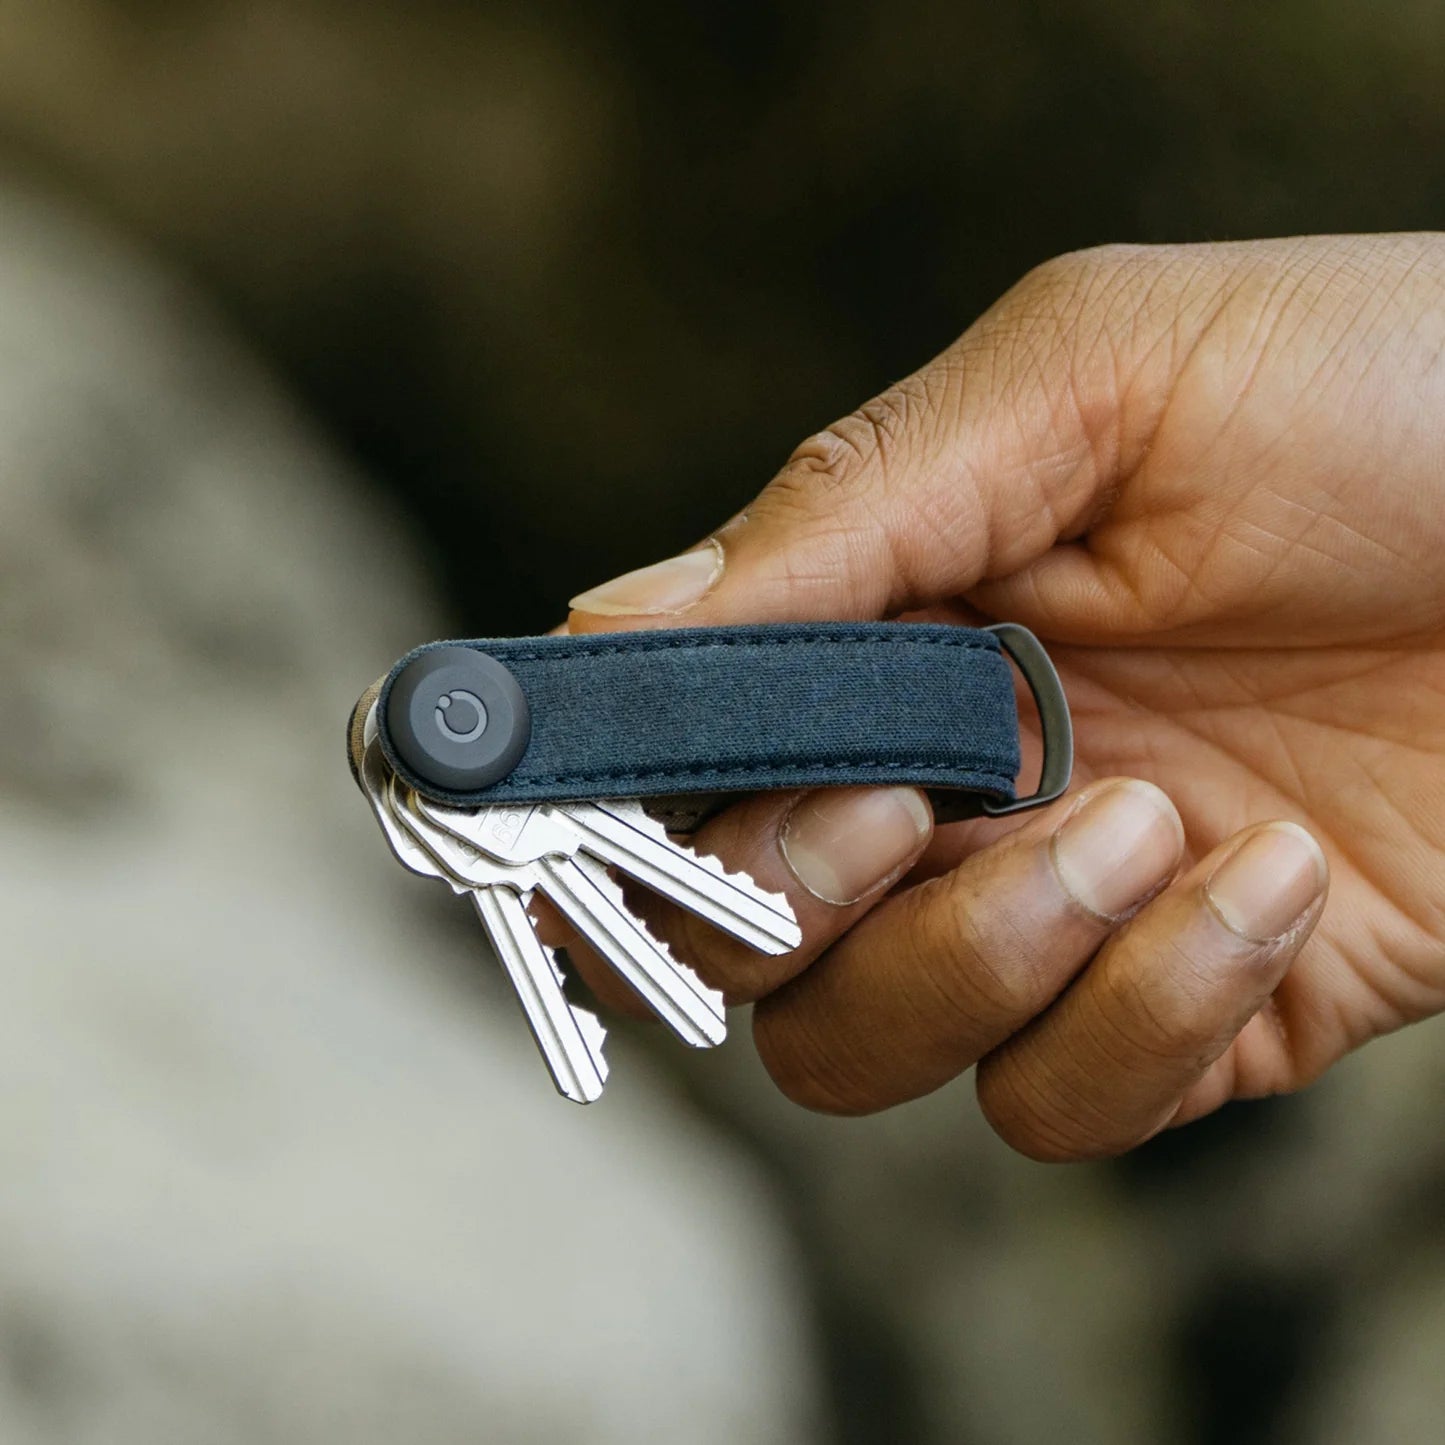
726, 769
613, 650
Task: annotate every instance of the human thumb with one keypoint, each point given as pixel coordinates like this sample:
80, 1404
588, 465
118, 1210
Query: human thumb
967, 470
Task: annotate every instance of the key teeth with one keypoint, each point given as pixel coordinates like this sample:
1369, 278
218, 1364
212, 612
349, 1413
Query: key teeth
593, 1035
711, 996
588, 1024
551, 956
745, 881
644, 822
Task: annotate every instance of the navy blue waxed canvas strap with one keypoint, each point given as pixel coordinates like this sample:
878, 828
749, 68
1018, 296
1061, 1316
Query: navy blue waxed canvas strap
724, 710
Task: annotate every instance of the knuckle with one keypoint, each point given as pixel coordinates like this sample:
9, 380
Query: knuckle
831, 523
832, 460
806, 491
884, 427
808, 496
861, 449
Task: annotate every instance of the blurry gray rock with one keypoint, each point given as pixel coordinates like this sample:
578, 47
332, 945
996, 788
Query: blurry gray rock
277, 1162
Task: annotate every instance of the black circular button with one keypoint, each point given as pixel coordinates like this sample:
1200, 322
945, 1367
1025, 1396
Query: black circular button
458, 719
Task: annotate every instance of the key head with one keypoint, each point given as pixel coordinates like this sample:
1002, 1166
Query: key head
459, 863
516, 834
457, 718
375, 783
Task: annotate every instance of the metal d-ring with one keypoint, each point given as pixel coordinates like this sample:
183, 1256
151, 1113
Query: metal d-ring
1054, 720
1055, 724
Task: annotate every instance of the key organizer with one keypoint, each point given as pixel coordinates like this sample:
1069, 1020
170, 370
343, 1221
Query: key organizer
552, 766
710, 711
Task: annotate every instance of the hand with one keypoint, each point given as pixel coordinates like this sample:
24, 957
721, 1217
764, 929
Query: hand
1212, 479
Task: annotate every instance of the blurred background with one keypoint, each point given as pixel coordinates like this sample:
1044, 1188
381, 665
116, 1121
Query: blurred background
328, 328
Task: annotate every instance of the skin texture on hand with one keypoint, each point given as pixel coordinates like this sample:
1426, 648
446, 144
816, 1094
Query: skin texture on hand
1212, 479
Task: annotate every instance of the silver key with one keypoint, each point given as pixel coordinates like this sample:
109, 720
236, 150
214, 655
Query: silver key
621, 834
569, 1038
593, 904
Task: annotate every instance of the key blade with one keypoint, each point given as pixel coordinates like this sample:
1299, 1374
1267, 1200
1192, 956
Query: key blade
568, 1038
592, 903
623, 835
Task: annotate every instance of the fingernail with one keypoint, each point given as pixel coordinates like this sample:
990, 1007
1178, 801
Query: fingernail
1117, 847
1268, 883
665, 587
842, 843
